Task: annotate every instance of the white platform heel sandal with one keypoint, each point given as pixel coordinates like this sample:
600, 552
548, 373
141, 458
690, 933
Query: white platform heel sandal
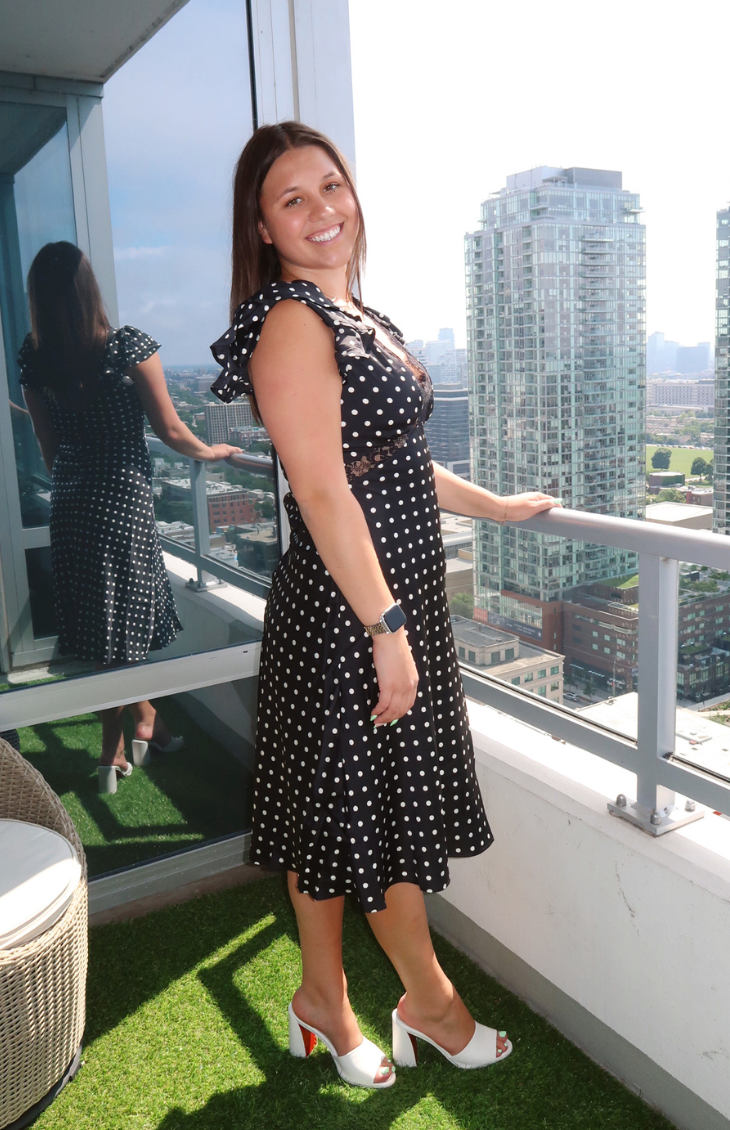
367, 1065
479, 1052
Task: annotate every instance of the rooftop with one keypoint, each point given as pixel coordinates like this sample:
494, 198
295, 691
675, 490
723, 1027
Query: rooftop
701, 742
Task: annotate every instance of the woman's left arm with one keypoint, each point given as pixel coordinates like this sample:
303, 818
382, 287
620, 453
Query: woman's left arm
462, 497
43, 427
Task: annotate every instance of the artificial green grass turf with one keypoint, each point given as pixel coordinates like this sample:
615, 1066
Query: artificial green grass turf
179, 801
187, 1030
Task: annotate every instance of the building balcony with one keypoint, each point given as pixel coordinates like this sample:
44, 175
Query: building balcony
609, 931
594, 931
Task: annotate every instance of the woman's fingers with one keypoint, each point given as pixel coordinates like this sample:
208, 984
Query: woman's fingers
389, 708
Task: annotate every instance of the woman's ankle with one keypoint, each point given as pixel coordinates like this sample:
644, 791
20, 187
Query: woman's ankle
116, 758
431, 1008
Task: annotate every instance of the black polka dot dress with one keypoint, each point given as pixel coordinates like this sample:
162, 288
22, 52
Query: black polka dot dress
352, 808
112, 595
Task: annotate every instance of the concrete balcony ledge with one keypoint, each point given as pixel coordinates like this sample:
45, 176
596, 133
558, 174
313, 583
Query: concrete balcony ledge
618, 938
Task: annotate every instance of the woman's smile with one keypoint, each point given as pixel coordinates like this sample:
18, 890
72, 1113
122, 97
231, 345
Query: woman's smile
326, 235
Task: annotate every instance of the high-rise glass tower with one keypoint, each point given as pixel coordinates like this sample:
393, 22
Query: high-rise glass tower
556, 350
721, 516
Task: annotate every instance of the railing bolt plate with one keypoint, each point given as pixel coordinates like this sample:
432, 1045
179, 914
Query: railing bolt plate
655, 821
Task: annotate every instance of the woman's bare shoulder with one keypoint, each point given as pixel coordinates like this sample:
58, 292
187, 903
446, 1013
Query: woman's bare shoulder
292, 327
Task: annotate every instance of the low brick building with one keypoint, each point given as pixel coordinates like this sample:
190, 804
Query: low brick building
509, 658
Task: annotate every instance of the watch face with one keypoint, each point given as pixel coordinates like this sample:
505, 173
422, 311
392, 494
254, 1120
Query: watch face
394, 618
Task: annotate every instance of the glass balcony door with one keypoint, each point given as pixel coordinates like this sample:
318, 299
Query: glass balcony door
42, 199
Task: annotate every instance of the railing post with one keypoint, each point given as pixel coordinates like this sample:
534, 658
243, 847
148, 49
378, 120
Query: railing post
201, 527
654, 808
281, 488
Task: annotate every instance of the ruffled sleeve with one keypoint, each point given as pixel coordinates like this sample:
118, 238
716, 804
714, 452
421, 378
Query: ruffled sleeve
233, 350
26, 363
386, 323
135, 346
126, 347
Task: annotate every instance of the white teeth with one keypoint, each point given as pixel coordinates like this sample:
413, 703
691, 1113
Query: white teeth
326, 236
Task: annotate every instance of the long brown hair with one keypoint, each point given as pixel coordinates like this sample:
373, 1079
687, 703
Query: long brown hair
255, 263
69, 326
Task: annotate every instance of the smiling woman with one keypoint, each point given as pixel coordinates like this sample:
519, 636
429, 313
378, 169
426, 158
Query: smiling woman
365, 771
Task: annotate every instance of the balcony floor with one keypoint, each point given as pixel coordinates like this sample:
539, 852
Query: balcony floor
187, 1030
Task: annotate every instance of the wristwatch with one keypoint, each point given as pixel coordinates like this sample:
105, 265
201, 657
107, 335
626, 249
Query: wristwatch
392, 619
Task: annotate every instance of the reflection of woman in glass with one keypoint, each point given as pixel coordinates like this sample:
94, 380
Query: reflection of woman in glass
88, 388
365, 770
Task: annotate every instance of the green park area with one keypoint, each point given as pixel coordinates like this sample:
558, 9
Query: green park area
681, 459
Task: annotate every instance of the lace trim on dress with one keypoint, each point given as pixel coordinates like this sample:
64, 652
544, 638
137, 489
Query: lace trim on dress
366, 463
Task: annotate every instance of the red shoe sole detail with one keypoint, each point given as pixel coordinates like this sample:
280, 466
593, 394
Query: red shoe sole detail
310, 1040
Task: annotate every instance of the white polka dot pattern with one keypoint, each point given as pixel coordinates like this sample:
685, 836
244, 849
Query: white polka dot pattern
112, 595
350, 807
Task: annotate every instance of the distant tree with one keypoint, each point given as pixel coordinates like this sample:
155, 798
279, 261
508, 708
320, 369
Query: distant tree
700, 466
660, 459
462, 605
669, 494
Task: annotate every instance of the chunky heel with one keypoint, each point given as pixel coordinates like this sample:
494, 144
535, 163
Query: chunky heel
405, 1046
107, 778
301, 1040
141, 752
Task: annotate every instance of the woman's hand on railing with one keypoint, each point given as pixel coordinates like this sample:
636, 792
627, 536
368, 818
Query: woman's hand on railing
222, 451
520, 507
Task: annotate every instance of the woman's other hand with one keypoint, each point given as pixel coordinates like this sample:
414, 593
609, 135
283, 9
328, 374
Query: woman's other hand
520, 507
397, 676
222, 451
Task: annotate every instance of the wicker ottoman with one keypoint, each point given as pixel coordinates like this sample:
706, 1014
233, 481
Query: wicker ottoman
42, 983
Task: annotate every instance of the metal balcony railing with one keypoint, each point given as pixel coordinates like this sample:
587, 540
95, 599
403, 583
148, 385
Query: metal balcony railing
208, 568
652, 755
660, 549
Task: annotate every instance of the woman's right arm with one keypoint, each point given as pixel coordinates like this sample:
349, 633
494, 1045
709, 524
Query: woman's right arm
298, 389
149, 380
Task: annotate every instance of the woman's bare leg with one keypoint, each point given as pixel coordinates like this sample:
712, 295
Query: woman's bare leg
321, 999
148, 724
112, 737
430, 1002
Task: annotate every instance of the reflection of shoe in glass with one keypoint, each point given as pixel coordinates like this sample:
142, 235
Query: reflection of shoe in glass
107, 776
479, 1052
142, 751
365, 1066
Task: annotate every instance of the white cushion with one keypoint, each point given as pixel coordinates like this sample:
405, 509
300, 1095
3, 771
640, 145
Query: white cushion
39, 872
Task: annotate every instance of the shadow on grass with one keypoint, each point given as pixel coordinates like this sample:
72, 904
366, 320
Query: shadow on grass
546, 1084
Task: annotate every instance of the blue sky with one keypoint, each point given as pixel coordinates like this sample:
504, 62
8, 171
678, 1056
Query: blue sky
449, 99
176, 117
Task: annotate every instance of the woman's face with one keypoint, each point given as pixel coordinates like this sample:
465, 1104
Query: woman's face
309, 212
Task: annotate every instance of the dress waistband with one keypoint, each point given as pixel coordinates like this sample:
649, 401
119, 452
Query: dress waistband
375, 455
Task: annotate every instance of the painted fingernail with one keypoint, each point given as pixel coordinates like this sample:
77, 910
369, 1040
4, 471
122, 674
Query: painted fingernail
373, 717
394, 721
503, 1033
